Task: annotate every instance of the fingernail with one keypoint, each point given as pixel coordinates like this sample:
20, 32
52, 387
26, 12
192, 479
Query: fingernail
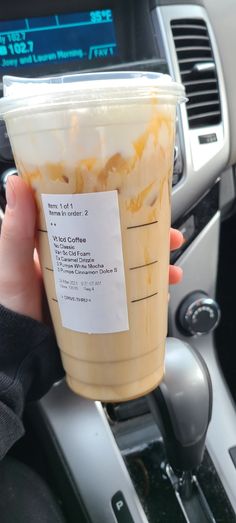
10, 194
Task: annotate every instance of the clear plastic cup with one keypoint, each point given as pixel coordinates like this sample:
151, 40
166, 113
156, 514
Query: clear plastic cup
97, 150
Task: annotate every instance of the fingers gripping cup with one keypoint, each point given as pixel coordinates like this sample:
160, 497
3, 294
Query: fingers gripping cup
98, 152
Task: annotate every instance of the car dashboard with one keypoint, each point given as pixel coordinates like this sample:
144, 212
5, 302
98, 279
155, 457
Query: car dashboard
96, 452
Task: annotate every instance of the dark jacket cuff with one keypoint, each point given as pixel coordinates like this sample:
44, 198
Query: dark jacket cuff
29, 365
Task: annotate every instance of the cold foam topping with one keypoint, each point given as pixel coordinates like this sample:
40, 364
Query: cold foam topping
85, 133
76, 114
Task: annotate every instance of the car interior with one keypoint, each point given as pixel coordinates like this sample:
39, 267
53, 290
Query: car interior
141, 460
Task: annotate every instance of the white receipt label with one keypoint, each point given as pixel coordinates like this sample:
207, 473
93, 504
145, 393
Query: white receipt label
86, 249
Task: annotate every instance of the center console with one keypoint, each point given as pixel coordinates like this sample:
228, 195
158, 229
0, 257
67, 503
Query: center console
167, 37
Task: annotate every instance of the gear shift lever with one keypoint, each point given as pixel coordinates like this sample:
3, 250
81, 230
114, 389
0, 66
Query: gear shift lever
182, 405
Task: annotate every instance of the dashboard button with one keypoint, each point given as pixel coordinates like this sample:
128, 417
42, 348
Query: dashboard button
198, 314
120, 508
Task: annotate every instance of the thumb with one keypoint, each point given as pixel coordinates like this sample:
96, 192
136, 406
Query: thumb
17, 241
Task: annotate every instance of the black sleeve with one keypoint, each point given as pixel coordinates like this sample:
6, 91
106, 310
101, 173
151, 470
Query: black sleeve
29, 364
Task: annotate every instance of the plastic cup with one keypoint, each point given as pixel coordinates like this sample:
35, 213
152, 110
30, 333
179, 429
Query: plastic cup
98, 152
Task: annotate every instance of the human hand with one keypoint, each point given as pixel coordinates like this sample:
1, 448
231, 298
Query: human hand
176, 240
20, 275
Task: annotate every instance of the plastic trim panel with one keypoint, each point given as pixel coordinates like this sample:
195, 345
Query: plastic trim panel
202, 162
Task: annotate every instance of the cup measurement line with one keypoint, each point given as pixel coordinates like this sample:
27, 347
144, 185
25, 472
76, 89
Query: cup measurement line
54, 299
144, 265
145, 297
42, 230
116, 385
49, 269
142, 225
123, 360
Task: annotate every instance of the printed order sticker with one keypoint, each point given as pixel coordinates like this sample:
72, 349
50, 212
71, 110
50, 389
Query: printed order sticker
86, 248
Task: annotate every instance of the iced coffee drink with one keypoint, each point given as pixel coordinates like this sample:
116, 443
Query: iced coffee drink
98, 154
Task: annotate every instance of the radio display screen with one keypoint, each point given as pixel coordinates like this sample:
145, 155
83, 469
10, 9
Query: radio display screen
85, 36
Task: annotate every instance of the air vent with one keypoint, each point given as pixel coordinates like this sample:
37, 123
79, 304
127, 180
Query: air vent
198, 71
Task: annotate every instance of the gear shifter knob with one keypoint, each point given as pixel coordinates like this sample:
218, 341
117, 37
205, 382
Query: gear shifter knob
182, 405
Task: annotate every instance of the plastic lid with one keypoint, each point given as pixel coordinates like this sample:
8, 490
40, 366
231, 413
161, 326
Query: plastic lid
22, 94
